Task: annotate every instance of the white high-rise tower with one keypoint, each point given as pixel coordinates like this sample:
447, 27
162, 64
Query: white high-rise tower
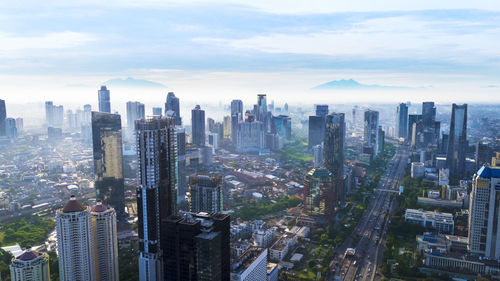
105, 243
30, 266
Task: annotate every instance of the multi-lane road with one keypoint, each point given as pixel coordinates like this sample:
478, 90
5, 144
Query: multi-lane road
369, 235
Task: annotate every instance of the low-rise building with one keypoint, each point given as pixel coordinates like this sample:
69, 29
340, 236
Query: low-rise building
442, 222
281, 247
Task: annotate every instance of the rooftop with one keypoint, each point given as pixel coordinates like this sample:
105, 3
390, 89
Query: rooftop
73, 205
489, 172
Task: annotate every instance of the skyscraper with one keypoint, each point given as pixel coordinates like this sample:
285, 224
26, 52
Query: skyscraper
250, 135
484, 229
261, 113
318, 193
483, 154
156, 189
371, 129
402, 121
333, 153
10, 128
172, 105
181, 164
237, 109
321, 110
108, 160
282, 125
54, 114
198, 126
206, 193
104, 103
135, 111
316, 130
196, 247
457, 142
227, 127
412, 119
3, 117
105, 242
428, 120
156, 111
30, 266
75, 243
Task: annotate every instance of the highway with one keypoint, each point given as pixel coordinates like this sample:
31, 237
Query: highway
371, 229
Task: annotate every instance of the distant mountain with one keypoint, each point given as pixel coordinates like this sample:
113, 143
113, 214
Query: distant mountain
350, 84
133, 83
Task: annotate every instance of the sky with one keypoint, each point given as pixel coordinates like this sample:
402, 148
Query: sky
216, 50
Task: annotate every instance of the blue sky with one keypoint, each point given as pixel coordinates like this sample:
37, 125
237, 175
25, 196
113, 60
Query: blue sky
234, 48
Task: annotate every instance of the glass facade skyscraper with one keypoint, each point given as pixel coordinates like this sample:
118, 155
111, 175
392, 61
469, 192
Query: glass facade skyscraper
402, 121
333, 153
457, 142
172, 105
198, 126
104, 100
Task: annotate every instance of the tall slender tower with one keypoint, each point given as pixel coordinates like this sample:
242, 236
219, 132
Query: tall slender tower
237, 109
156, 189
104, 103
172, 105
198, 126
371, 129
105, 243
457, 142
3, 117
334, 153
75, 243
108, 160
135, 111
402, 121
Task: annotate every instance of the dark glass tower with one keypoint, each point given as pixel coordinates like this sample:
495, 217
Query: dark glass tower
402, 121
198, 126
237, 108
457, 142
370, 129
412, 119
333, 153
104, 100
108, 160
3, 117
316, 130
172, 104
196, 247
156, 189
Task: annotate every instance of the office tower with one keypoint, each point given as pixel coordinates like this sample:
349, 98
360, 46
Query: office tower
30, 266
251, 265
227, 127
135, 111
354, 109
380, 140
211, 125
321, 110
196, 247
19, 124
402, 121
428, 114
282, 125
237, 109
371, 129
206, 193
412, 119
213, 140
58, 111
198, 126
261, 112
172, 105
10, 128
3, 117
316, 130
49, 113
333, 153
318, 156
105, 242
457, 143
444, 144
75, 243
250, 136
319, 193
484, 227
156, 189
104, 103
285, 107
157, 111
483, 154
181, 164
108, 160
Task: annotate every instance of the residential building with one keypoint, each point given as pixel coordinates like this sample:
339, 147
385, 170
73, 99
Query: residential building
105, 242
250, 266
318, 192
198, 126
30, 266
135, 111
205, 193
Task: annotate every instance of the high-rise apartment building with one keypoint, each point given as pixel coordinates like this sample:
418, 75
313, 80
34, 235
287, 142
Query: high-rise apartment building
282, 125
10, 128
135, 111
30, 266
402, 121
237, 109
172, 108
250, 135
108, 160
318, 193
457, 143
156, 189
250, 266
54, 114
196, 247
484, 214
104, 100
3, 117
75, 243
318, 156
105, 242
333, 153
206, 193
198, 126
181, 164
